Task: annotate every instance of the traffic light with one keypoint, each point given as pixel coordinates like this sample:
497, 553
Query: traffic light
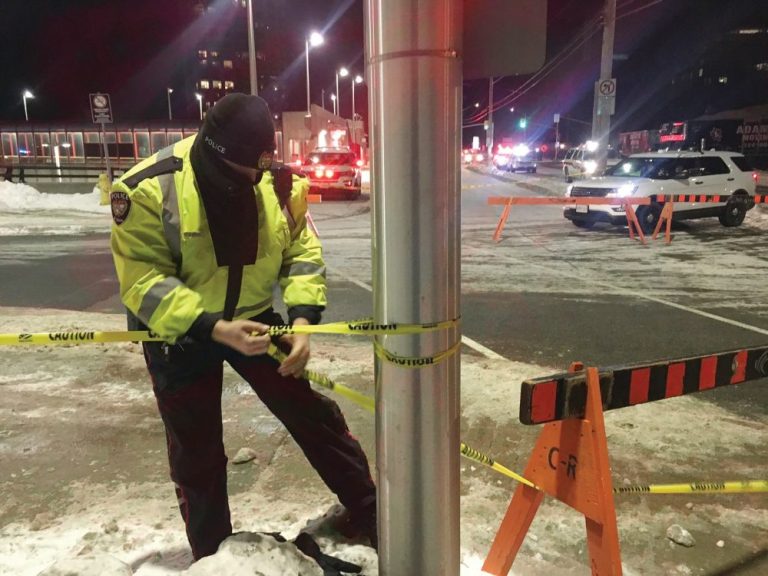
522, 123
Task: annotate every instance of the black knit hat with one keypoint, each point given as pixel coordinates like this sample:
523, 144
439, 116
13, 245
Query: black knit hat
239, 128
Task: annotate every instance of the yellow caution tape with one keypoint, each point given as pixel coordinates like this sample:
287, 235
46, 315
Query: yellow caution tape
363, 328
357, 327
477, 456
322, 380
414, 361
77, 337
697, 488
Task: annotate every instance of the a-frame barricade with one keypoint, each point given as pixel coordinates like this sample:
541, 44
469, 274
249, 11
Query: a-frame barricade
570, 463
632, 223
665, 218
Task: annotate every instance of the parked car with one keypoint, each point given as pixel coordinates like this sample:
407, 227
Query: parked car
664, 173
581, 161
517, 158
333, 172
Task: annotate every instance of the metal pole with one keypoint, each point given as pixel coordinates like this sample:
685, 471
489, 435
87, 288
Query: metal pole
415, 103
601, 118
106, 151
489, 132
170, 113
353, 99
26, 116
322, 97
306, 46
252, 52
337, 102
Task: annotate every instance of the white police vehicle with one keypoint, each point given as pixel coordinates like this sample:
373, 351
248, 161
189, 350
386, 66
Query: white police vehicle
660, 173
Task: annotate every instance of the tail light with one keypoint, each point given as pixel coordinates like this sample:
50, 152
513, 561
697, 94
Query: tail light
329, 173
756, 177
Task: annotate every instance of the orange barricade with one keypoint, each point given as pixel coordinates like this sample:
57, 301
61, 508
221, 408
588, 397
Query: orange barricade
665, 217
313, 199
627, 203
570, 463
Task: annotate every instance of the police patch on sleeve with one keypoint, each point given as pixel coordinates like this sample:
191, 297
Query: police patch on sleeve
121, 206
265, 161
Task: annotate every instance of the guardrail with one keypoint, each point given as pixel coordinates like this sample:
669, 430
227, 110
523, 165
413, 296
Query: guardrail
73, 172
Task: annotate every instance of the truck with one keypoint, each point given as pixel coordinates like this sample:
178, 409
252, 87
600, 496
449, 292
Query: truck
701, 135
638, 141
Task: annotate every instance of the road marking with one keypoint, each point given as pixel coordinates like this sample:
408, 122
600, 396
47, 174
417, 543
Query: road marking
476, 346
629, 292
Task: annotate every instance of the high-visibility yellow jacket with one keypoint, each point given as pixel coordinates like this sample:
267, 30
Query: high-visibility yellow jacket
164, 255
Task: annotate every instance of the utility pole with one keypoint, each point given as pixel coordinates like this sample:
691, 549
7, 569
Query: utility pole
414, 88
489, 131
605, 88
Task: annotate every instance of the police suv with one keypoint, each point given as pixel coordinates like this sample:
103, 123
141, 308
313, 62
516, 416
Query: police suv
661, 173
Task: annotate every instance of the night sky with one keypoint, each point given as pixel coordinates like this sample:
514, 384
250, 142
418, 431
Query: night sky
63, 49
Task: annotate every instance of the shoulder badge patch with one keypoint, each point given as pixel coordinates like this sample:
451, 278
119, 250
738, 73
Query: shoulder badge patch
265, 161
121, 206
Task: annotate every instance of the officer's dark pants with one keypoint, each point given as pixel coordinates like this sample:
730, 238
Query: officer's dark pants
187, 382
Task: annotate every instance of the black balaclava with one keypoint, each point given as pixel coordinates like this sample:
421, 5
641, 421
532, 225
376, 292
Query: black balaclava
238, 128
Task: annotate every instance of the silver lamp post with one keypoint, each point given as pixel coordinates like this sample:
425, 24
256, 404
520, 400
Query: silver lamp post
315, 39
252, 52
24, 96
357, 80
169, 91
333, 98
200, 104
343, 72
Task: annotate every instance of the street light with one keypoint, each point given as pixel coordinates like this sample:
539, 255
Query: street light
343, 73
169, 91
315, 39
24, 96
358, 80
333, 98
200, 104
252, 52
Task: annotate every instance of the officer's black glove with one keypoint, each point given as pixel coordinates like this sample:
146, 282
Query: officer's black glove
331, 566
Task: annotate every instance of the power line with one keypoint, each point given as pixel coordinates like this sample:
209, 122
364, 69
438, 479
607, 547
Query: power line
587, 32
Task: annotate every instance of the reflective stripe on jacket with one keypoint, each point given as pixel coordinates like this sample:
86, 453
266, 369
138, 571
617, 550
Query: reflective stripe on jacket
165, 260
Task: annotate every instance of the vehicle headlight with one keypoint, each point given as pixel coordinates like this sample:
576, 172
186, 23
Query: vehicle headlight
590, 166
623, 191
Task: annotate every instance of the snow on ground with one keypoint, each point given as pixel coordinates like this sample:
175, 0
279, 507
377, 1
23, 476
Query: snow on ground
52, 214
85, 487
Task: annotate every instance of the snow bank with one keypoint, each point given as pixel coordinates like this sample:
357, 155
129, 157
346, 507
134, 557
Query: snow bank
16, 197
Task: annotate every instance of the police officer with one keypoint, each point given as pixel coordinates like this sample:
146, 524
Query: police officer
202, 232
